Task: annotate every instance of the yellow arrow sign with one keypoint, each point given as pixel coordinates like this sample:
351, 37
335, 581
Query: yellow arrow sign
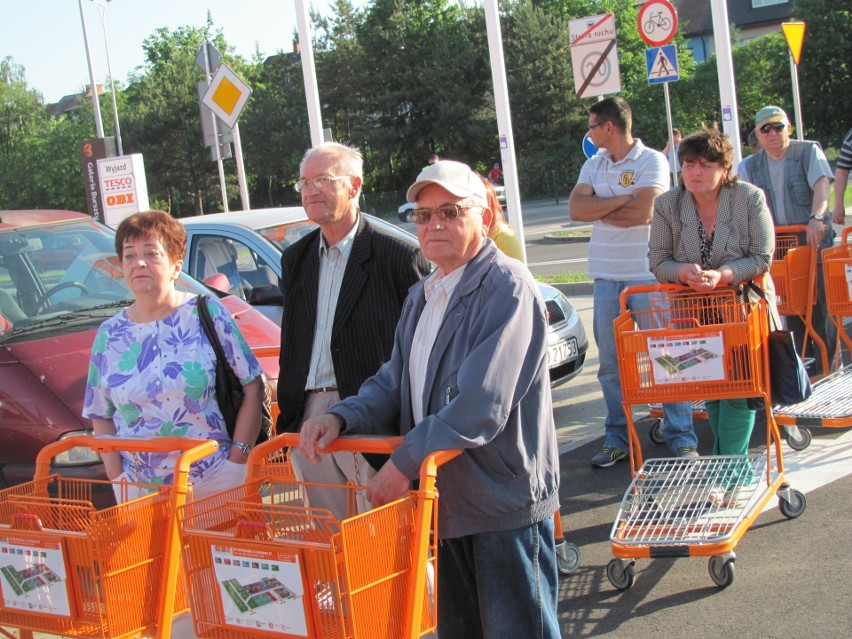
795, 34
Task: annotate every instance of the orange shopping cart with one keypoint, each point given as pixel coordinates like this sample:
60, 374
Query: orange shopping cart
793, 272
712, 346
260, 561
69, 569
830, 405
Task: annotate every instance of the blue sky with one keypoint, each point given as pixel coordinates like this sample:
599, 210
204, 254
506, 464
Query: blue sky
46, 36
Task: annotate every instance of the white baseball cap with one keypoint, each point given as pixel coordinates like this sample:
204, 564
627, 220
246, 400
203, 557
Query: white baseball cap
455, 177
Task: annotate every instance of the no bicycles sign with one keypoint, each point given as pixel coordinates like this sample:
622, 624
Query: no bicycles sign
657, 22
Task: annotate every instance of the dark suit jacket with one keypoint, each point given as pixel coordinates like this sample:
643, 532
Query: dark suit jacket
380, 270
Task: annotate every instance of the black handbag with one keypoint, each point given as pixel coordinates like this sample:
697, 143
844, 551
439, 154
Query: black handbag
229, 390
788, 378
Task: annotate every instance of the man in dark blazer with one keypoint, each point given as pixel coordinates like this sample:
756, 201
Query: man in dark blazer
344, 285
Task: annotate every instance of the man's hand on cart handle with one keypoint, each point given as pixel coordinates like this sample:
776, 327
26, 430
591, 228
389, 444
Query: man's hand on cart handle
387, 485
317, 433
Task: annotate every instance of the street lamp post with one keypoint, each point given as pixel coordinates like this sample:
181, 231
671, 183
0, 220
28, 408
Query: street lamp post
99, 125
101, 11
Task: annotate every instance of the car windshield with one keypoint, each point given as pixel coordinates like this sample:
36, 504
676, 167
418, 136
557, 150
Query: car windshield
283, 235
59, 273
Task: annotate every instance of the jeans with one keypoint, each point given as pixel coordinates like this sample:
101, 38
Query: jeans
678, 430
499, 585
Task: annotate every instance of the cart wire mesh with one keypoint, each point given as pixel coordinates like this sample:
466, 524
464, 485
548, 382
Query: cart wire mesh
355, 570
672, 503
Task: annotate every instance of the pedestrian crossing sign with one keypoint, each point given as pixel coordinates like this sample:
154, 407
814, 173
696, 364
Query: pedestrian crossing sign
661, 63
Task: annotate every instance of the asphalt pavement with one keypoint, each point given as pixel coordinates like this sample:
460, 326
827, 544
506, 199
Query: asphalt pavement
790, 577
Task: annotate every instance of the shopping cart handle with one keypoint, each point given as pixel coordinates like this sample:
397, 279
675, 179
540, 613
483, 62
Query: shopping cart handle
194, 449
639, 289
379, 444
845, 234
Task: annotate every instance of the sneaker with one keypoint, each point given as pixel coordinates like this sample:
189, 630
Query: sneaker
607, 457
686, 452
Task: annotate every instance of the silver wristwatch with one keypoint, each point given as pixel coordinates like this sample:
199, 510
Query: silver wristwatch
244, 448
819, 217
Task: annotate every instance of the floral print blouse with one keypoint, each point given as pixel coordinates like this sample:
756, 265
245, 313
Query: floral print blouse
158, 379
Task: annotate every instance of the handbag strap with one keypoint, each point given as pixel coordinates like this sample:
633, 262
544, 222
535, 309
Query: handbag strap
209, 329
760, 292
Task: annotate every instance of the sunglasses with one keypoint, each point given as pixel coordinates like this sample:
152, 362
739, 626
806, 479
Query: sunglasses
777, 127
444, 213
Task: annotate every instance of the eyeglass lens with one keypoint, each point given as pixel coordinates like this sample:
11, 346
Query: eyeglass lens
777, 127
444, 213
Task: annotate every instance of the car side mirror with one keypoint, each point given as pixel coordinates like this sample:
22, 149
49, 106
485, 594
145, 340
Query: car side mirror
266, 295
218, 281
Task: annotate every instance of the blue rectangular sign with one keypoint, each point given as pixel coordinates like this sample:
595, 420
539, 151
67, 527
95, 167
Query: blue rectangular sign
661, 64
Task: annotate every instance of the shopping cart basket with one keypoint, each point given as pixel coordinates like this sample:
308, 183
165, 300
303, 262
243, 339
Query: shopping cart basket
794, 271
712, 346
261, 561
793, 275
830, 405
71, 570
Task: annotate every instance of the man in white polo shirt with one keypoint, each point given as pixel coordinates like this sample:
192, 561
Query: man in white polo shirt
616, 192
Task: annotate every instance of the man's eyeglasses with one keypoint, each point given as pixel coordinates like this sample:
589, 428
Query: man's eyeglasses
776, 126
319, 183
592, 126
444, 213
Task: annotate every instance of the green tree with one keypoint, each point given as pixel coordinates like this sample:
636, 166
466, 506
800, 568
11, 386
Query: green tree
825, 68
164, 123
274, 130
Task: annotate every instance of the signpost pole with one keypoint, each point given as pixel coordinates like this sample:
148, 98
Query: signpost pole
241, 169
794, 75
725, 67
504, 121
672, 162
216, 152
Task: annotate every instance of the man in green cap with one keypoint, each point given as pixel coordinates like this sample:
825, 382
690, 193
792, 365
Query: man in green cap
796, 178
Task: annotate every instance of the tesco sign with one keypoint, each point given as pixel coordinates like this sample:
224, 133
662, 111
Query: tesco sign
124, 188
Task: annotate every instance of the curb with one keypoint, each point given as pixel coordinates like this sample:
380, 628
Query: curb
575, 288
552, 238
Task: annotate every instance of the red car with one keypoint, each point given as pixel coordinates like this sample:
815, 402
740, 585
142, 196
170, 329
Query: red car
59, 279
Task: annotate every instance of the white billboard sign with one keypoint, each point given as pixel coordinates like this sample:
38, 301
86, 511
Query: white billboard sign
124, 187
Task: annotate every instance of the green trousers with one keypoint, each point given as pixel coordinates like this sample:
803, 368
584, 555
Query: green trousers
731, 422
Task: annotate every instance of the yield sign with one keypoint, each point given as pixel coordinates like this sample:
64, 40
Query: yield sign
661, 63
795, 34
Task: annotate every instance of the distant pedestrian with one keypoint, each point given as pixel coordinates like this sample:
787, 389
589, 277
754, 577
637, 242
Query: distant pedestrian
495, 175
671, 153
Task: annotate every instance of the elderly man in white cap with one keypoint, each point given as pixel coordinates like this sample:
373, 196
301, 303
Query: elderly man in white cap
468, 371
796, 178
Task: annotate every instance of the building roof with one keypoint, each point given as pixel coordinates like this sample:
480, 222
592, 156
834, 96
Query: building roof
695, 17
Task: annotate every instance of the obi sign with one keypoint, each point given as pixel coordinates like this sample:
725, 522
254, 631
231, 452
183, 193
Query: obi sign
124, 188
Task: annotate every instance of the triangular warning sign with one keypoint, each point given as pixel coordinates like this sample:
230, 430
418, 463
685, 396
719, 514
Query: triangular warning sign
795, 34
663, 67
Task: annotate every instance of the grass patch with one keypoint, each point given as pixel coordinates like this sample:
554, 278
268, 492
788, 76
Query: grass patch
563, 278
570, 233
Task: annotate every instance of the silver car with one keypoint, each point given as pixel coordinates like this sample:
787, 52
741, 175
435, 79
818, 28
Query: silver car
240, 253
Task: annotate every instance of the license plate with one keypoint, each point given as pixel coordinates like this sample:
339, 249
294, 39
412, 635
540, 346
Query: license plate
562, 351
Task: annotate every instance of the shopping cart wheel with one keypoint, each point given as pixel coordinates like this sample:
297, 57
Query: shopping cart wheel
656, 432
620, 573
567, 558
721, 569
791, 502
797, 438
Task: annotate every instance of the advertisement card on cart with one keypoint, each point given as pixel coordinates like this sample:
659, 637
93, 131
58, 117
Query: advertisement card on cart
687, 358
261, 588
33, 575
